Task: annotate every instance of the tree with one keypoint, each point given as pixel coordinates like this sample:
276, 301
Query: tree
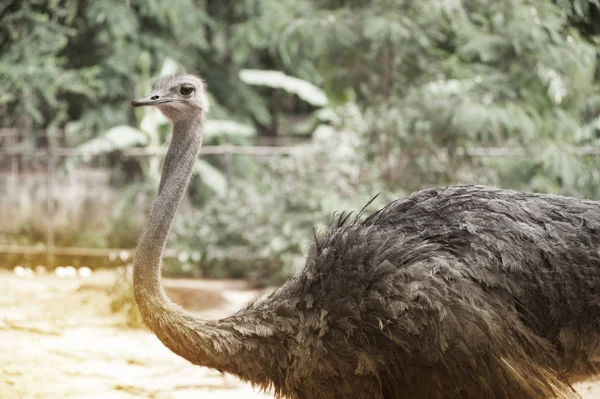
435, 76
36, 75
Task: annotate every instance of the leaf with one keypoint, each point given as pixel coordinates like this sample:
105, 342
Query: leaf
486, 47
151, 122
278, 80
212, 177
116, 138
588, 131
216, 127
557, 89
169, 67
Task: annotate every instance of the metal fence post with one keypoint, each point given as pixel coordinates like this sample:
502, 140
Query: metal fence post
50, 176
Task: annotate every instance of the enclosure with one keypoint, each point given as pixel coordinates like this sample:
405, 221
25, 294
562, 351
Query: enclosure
316, 107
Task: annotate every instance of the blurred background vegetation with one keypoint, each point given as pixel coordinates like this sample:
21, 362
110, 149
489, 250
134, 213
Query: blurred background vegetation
366, 97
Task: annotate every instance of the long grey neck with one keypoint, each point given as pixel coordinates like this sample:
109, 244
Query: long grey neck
172, 325
229, 344
244, 344
177, 171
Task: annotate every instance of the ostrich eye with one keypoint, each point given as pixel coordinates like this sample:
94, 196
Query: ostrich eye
186, 90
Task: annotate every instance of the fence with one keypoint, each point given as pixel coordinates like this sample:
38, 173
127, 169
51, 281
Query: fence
47, 159
16, 164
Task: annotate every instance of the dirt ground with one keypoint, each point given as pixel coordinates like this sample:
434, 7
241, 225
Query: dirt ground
58, 339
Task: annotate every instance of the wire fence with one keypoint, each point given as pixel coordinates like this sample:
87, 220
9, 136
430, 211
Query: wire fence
20, 163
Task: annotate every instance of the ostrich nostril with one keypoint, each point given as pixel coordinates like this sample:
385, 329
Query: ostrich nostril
154, 98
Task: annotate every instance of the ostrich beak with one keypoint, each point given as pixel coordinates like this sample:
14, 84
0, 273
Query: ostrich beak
152, 99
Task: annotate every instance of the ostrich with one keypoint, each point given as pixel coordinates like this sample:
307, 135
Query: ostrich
456, 292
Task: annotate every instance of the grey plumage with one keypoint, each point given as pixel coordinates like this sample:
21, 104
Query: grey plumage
456, 292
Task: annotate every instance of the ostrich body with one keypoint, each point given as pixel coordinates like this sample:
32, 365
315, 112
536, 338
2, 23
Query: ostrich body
456, 292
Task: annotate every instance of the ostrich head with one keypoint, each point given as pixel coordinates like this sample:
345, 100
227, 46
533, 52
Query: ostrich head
178, 97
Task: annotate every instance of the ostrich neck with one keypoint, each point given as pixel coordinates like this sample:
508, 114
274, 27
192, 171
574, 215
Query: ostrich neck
221, 344
177, 171
171, 324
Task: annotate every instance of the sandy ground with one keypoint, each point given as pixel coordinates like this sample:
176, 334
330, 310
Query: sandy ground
58, 339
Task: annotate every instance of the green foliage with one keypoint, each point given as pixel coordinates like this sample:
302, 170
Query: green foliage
116, 138
447, 74
214, 128
263, 230
278, 80
411, 85
35, 73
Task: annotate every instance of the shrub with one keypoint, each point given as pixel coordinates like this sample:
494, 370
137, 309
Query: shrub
264, 228
122, 298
